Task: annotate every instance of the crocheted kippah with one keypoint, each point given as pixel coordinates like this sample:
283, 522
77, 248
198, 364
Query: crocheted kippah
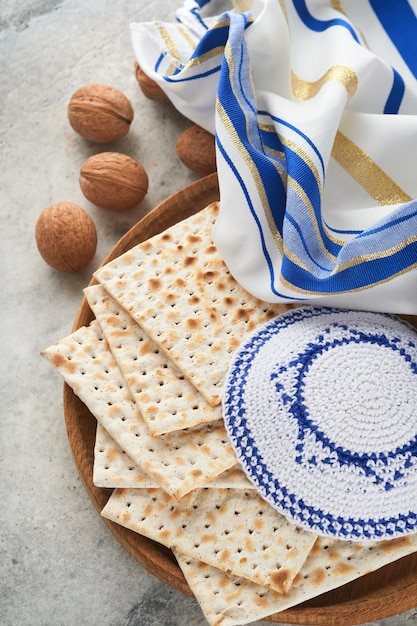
320, 405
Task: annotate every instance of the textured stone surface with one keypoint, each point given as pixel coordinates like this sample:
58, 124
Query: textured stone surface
60, 566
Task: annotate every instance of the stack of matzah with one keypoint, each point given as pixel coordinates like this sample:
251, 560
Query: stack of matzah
150, 368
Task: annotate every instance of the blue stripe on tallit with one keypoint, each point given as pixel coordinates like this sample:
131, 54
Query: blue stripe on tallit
400, 24
215, 37
185, 79
320, 25
393, 103
301, 134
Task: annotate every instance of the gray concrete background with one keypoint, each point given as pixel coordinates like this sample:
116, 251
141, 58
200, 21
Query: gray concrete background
59, 564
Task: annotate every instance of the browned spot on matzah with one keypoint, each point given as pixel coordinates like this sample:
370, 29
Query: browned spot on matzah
394, 544
249, 544
146, 347
333, 554
112, 454
281, 579
146, 245
192, 238
234, 343
225, 556
165, 536
59, 360
192, 323
211, 517
242, 314
318, 576
270, 314
342, 569
155, 283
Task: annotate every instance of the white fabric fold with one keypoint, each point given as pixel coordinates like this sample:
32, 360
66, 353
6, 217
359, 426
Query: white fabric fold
314, 109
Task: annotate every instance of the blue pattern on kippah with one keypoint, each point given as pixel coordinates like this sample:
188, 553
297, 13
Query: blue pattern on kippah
383, 468
367, 463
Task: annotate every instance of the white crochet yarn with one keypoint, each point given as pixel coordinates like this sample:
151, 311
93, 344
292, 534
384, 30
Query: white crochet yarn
321, 407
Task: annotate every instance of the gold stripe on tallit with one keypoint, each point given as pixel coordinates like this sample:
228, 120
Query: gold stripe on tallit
196, 61
337, 5
243, 5
170, 46
187, 37
295, 259
268, 128
366, 172
304, 90
283, 9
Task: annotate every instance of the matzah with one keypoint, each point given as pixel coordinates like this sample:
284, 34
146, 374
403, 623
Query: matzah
114, 468
229, 600
180, 461
178, 288
234, 530
166, 400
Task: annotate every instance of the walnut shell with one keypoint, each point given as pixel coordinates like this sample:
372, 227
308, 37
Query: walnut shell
66, 237
149, 87
196, 148
100, 113
113, 181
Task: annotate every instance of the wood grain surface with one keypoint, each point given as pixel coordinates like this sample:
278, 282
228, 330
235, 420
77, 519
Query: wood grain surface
386, 592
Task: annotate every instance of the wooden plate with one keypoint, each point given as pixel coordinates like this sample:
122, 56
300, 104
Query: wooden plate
388, 591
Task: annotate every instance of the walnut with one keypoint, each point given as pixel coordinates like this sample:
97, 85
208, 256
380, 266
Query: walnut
149, 87
66, 237
113, 181
100, 113
196, 148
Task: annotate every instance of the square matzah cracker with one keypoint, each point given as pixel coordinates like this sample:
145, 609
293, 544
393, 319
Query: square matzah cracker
166, 400
234, 530
179, 461
178, 288
230, 600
